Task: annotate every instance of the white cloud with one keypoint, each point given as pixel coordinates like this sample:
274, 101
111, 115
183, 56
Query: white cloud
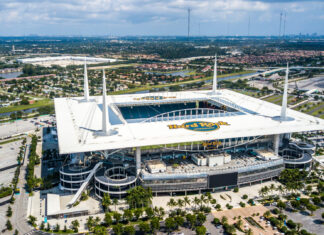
138, 12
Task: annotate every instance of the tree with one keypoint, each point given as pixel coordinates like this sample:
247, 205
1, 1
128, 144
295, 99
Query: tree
281, 189
118, 229
196, 201
267, 214
57, 228
179, 220
186, 201
201, 218
97, 221
9, 211
129, 230
75, 225
203, 199
115, 203
171, 203
191, 220
292, 179
201, 230
9, 225
117, 216
144, 227
99, 230
249, 232
48, 227
16, 232
139, 197
106, 201
128, 215
170, 224
311, 208
155, 224
138, 212
32, 220
180, 203
149, 212
281, 205
90, 222
108, 219
224, 220
239, 223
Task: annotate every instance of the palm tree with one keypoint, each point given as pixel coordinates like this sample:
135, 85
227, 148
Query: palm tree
97, 221
272, 188
115, 202
106, 202
239, 223
209, 197
281, 189
75, 225
90, 222
180, 203
186, 201
161, 212
224, 220
203, 199
298, 226
196, 201
172, 203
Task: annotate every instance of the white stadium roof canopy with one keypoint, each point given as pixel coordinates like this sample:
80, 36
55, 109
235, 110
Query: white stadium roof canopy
79, 122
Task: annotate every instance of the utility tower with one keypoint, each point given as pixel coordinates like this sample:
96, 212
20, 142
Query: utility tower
280, 24
284, 26
189, 23
249, 27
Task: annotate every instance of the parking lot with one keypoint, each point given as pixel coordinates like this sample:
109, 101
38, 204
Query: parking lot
23, 126
312, 224
8, 159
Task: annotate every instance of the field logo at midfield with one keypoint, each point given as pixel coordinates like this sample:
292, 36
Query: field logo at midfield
199, 126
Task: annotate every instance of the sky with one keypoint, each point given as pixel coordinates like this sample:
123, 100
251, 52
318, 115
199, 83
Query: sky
160, 17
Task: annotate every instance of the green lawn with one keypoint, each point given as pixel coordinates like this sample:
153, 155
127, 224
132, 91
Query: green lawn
148, 87
250, 93
37, 104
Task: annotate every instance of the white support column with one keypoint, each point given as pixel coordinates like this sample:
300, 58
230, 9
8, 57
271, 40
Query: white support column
285, 97
85, 85
276, 142
215, 76
105, 116
138, 160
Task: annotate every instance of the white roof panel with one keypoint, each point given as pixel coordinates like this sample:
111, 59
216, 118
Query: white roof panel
79, 122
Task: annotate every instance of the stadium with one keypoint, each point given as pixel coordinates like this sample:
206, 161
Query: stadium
177, 141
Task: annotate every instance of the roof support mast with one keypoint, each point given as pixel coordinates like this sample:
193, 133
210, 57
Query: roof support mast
285, 97
215, 76
85, 85
105, 117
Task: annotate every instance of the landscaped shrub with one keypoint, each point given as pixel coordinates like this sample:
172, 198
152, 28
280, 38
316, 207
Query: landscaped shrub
242, 204
245, 197
291, 224
5, 191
